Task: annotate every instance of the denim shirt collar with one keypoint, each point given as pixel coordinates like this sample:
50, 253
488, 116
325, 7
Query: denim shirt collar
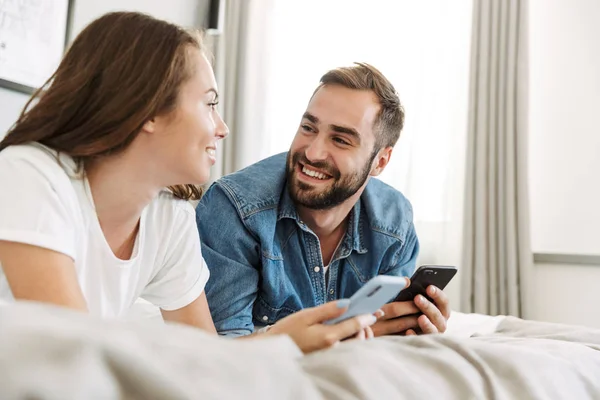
287, 208
353, 240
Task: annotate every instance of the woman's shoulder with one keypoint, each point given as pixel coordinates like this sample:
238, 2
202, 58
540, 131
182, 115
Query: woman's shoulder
33, 152
37, 159
170, 210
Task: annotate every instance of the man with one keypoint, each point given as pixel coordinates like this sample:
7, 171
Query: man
303, 228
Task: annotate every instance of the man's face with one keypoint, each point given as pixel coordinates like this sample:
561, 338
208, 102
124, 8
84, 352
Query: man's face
332, 154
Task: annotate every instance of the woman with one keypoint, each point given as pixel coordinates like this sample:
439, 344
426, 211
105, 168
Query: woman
86, 221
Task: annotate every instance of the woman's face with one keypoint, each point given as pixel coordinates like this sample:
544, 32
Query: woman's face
186, 139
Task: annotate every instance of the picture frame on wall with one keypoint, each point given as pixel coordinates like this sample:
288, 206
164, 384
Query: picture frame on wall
33, 38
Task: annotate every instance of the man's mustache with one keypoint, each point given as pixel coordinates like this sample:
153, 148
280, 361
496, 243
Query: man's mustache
322, 165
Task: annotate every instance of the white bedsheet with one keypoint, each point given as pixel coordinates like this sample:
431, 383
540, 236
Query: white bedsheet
467, 325
460, 324
52, 353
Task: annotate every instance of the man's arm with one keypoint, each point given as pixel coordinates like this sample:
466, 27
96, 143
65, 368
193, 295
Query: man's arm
404, 316
232, 256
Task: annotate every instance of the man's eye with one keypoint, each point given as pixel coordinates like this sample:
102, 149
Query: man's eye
341, 141
307, 128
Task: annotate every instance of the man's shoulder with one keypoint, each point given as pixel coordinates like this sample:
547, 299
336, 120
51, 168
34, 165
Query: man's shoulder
389, 211
256, 187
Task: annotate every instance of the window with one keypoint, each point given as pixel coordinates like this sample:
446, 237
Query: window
421, 46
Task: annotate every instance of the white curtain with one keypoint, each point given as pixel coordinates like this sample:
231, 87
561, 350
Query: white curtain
497, 251
241, 63
421, 46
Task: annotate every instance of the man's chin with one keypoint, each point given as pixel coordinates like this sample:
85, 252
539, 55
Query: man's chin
307, 189
309, 199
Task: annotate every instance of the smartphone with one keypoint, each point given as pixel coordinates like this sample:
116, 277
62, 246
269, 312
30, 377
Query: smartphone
436, 275
371, 297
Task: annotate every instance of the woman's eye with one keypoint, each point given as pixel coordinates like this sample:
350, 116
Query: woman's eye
213, 105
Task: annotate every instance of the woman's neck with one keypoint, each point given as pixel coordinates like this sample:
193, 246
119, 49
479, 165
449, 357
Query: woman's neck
121, 190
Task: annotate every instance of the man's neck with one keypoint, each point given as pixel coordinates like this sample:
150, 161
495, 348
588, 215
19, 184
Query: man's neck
329, 225
326, 223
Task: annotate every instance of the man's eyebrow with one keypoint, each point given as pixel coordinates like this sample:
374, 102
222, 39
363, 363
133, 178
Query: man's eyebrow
348, 131
310, 117
336, 128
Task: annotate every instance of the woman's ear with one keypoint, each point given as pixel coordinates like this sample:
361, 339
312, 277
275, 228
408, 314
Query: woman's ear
149, 126
381, 160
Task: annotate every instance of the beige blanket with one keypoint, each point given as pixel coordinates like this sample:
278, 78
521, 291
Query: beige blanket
50, 353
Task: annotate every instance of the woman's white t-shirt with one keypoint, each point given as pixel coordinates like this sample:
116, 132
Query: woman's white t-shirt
45, 203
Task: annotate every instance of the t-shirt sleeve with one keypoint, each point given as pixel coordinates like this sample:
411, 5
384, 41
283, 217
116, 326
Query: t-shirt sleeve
33, 203
183, 275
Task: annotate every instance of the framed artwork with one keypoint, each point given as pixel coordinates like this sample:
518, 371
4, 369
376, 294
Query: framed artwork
33, 38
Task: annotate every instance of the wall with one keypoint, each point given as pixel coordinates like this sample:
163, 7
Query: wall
188, 13
564, 156
11, 104
566, 294
183, 12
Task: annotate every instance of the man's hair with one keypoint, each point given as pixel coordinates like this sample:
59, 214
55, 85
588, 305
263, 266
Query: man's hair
122, 70
362, 76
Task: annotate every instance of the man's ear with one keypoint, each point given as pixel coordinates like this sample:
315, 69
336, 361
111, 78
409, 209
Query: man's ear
381, 160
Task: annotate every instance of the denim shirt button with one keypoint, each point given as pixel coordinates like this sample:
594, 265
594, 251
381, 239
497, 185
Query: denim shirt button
331, 291
317, 269
265, 318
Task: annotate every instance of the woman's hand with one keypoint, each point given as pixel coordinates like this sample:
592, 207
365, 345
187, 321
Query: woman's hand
306, 327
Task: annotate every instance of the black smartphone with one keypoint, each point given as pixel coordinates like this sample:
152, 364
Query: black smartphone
436, 275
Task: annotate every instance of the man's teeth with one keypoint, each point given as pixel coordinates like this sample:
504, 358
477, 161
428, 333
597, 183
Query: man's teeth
314, 174
211, 152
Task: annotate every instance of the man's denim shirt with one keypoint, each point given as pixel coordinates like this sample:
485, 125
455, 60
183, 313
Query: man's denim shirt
265, 263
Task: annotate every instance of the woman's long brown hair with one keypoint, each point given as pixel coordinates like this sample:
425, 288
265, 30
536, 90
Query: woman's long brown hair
122, 70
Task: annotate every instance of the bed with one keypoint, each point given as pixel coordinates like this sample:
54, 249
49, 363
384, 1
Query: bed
52, 353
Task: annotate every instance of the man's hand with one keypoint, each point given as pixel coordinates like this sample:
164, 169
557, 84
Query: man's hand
398, 317
403, 317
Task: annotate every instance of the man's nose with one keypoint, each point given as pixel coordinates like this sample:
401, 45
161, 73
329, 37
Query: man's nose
316, 150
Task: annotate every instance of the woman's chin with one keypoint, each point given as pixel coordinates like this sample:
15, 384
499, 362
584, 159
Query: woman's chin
202, 177
199, 175
210, 159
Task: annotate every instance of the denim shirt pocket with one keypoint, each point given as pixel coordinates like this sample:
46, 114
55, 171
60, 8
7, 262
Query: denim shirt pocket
268, 308
265, 314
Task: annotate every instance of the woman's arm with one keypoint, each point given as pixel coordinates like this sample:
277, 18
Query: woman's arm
38, 274
195, 314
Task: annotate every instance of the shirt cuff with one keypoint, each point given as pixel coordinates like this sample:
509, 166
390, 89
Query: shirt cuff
54, 243
190, 295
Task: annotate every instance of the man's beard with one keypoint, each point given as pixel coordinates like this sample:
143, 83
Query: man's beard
338, 191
